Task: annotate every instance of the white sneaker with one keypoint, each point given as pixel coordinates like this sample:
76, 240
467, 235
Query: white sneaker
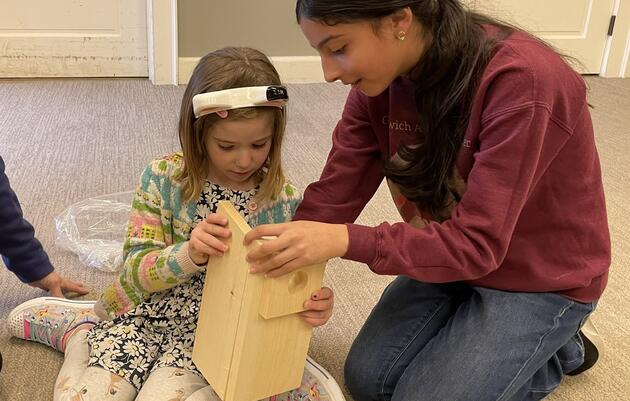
317, 385
49, 320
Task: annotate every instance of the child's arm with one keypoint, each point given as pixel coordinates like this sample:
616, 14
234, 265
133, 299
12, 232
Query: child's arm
156, 250
21, 252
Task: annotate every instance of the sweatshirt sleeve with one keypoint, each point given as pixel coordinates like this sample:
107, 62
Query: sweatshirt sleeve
353, 170
154, 260
516, 145
22, 253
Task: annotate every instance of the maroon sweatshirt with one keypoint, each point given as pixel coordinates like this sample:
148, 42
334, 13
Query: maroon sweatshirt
532, 215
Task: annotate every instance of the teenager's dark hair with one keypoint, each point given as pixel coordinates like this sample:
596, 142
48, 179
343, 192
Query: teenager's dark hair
446, 78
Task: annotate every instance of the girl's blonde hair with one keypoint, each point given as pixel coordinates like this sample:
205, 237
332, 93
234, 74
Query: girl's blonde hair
230, 67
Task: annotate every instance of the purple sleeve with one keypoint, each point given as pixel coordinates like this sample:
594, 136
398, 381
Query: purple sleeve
353, 170
474, 241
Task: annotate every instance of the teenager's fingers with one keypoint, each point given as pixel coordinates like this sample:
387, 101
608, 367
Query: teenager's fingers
267, 248
284, 269
315, 322
271, 261
314, 318
322, 294
320, 300
264, 230
318, 305
314, 314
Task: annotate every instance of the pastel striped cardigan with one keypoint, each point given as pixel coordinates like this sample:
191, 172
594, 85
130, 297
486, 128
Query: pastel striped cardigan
156, 248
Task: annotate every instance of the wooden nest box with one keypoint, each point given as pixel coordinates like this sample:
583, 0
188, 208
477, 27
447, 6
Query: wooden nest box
250, 342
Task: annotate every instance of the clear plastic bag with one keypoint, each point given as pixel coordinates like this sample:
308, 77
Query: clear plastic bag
95, 229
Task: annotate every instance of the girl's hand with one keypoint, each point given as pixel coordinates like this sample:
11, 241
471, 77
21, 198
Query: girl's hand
319, 307
298, 244
205, 239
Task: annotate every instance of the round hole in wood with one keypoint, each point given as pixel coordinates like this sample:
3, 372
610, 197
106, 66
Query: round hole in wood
297, 281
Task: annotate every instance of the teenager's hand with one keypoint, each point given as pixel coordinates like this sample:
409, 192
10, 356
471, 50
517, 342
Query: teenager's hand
205, 239
56, 285
319, 308
298, 244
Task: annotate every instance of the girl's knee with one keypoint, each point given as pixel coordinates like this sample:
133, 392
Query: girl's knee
204, 394
173, 383
94, 384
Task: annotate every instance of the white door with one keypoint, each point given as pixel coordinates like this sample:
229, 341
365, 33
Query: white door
578, 28
73, 38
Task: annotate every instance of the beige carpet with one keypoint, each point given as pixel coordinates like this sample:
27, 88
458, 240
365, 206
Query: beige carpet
67, 140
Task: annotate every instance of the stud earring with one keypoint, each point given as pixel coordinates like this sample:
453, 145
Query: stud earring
401, 35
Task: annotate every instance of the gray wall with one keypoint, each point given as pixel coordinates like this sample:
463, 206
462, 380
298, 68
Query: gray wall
267, 25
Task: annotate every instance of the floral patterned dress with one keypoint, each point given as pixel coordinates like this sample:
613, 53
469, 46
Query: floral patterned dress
160, 332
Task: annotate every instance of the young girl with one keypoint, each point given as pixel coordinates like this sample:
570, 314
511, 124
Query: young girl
484, 135
230, 151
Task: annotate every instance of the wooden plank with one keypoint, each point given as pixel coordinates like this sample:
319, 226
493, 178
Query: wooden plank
242, 354
221, 306
286, 294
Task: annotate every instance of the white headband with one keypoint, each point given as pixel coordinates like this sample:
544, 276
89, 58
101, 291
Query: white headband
236, 98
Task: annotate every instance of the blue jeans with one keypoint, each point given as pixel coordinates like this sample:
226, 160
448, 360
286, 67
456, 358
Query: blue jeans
454, 342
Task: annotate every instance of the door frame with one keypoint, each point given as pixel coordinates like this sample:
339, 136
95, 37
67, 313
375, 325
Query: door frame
616, 62
162, 41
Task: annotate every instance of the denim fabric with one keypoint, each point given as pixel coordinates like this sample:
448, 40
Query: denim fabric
454, 342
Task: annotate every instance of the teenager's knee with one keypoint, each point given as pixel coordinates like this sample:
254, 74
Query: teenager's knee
360, 375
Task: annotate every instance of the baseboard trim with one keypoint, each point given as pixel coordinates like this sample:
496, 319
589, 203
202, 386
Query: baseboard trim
292, 70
